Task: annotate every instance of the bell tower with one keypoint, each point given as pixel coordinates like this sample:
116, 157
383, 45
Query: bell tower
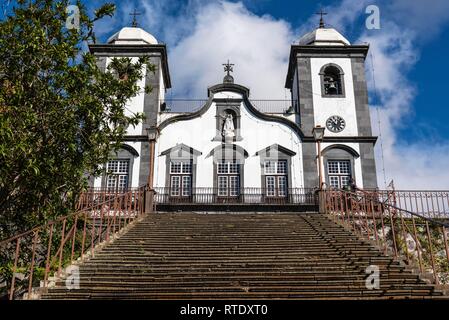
326, 75
134, 42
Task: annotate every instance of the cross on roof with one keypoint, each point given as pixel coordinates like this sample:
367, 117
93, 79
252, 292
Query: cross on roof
134, 14
321, 13
228, 67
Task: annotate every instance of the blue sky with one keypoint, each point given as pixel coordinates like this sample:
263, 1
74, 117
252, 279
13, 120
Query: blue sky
408, 52
429, 113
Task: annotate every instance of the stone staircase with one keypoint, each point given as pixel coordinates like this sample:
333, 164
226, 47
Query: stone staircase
241, 256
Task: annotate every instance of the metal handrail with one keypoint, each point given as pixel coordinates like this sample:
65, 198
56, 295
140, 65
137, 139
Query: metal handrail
393, 229
96, 219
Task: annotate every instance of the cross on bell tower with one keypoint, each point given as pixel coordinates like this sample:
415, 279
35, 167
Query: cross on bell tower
228, 68
321, 13
134, 14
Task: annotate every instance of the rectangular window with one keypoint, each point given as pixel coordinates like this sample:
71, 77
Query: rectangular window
234, 186
117, 175
180, 178
334, 182
276, 167
228, 178
175, 186
270, 186
282, 185
228, 167
222, 167
276, 178
186, 185
222, 186
339, 172
270, 167
281, 167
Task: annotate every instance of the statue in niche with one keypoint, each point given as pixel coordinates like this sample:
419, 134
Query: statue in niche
228, 130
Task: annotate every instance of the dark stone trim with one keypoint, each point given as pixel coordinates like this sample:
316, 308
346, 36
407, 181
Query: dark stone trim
276, 148
349, 150
251, 108
135, 138
321, 51
310, 166
367, 159
340, 139
130, 149
305, 95
137, 50
361, 97
235, 148
181, 147
228, 87
342, 82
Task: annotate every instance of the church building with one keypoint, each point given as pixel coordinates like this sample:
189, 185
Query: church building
229, 146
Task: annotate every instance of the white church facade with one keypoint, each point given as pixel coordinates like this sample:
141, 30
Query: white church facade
229, 147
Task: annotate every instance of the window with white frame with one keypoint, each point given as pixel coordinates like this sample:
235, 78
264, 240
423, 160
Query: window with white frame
339, 173
117, 174
276, 178
180, 178
228, 178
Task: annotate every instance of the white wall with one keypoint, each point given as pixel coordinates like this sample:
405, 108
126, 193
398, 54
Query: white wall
135, 104
344, 107
257, 135
326, 107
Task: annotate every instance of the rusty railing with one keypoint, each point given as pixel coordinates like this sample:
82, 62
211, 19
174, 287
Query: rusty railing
415, 237
430, 204
28, 259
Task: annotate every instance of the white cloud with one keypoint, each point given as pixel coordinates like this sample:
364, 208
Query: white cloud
258, 46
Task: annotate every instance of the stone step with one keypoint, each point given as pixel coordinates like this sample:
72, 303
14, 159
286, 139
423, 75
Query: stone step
241, 256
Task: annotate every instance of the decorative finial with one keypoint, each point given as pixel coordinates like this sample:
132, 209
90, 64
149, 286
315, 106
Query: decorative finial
321, 13
134, 14
228, 68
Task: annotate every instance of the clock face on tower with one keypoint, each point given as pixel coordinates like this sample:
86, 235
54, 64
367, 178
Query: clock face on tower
335, 124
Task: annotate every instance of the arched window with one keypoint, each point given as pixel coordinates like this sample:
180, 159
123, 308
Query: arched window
339, 162
119, 169
332, 83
